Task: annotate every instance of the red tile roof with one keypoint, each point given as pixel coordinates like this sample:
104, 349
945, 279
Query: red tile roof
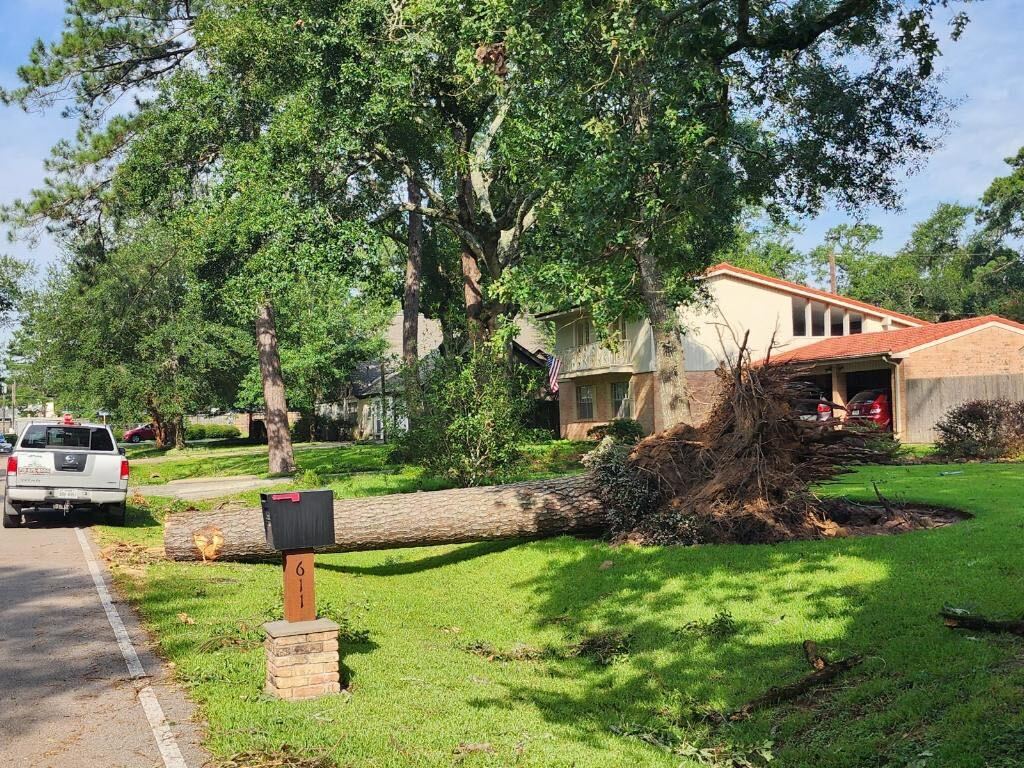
887, 342
726, 268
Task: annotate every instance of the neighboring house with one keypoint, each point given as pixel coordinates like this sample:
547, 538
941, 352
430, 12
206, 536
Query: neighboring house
849, 344
362, 408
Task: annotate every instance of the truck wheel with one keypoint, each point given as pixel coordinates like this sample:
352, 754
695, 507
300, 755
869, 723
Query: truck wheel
12, 516
118, 514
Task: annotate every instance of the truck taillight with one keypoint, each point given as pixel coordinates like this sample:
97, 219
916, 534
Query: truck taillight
124, 469
12, 465
824, 408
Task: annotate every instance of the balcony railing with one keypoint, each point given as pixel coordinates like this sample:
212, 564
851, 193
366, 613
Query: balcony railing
596, 357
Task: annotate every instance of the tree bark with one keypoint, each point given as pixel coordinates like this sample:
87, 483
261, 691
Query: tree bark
413, 267
673, 395
520, 510
179, 431
472, 292
279, 439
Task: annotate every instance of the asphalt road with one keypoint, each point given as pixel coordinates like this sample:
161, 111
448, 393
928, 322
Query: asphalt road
66, 697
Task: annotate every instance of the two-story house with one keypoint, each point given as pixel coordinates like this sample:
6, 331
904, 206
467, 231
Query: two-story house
846, 345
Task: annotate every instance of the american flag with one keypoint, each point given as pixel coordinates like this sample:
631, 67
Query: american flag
554, 368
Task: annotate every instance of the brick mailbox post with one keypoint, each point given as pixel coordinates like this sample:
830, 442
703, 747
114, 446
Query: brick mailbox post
302, 650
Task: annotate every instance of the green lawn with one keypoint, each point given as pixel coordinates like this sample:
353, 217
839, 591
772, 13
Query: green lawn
552, 457
464, 655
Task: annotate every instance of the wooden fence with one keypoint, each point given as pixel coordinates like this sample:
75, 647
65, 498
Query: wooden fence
928, 400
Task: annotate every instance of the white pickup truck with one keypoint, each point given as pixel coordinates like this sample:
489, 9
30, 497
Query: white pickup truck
65, 466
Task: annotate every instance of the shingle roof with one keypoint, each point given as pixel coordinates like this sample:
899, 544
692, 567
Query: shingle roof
730, 269
887, 342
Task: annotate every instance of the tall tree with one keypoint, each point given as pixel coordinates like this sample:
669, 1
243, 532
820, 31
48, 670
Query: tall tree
694, 113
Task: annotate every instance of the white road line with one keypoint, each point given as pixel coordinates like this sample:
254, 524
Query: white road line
154, 712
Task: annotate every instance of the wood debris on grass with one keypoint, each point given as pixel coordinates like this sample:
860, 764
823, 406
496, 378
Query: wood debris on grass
130, 554
285, 758
960, 618
824, 672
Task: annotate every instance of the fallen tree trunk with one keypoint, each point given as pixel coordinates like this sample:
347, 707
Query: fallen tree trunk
519, 510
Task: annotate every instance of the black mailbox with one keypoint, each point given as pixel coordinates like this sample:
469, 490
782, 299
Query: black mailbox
298, 519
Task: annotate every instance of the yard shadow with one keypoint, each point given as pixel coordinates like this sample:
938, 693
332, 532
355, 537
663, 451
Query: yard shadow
400, 567
877, 597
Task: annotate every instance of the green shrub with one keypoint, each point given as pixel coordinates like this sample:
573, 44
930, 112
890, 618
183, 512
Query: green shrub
211, 432
982, 429
629, 494
468, 426
620, 430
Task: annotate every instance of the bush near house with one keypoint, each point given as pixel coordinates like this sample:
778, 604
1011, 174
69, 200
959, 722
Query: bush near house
619, 430
982, 429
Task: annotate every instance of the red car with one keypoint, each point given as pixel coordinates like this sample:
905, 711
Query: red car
871, 406
139, 433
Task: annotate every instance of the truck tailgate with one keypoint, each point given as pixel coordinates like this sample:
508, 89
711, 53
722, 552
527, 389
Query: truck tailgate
68, 469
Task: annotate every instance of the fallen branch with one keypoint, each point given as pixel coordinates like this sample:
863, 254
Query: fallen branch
824, 672
957, 618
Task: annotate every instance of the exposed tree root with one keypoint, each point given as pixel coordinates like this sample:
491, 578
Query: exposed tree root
956, 618
745, 475
824, 672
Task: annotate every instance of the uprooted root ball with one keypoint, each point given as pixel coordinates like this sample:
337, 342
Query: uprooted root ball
743, 476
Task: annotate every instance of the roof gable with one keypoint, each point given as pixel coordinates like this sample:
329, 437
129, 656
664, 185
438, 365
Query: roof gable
806, 291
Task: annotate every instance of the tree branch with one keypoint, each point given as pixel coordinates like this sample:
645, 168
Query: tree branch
788, 38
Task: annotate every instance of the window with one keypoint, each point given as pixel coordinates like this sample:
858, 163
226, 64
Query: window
799, 316
582, 328
44, 436
621, 407
817, 319
835, 315
856, 323
585, 402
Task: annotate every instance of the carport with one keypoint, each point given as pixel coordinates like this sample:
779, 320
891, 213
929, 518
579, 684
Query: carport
927, 370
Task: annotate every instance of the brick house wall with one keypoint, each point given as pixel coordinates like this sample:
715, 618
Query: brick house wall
984, 365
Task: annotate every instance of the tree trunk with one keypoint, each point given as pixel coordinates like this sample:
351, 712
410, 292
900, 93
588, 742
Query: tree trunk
411, 298
179, 431
164, 437
472, 292
673, 396
279, 439
520, 510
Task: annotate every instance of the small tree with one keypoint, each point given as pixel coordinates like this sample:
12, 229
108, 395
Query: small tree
470, 424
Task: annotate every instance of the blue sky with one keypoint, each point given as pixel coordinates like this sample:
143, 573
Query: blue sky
984, 69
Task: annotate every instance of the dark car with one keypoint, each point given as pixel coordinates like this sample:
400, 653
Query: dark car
139, 433
872, 406
811, 404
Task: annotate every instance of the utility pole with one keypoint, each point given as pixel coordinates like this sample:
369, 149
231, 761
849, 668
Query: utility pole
14, 406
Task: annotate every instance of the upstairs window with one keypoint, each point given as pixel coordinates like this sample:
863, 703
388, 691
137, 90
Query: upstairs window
856, 322
835, 325
799, 316
817, 319
582, 331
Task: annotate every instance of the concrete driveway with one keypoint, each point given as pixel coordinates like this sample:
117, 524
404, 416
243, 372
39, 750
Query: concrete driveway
193, 489
67, 697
